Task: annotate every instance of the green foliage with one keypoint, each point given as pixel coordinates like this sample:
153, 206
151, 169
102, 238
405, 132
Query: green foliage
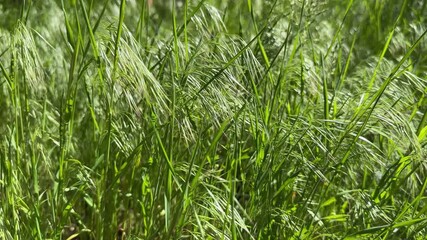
213, 119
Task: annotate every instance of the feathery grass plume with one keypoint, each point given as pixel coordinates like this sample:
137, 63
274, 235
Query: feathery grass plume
135, 82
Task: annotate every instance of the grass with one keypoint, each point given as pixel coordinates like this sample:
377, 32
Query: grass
213, 119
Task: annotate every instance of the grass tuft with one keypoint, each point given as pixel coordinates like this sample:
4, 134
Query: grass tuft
213, 119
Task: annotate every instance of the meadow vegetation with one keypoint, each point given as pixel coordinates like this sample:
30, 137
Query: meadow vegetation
209, 119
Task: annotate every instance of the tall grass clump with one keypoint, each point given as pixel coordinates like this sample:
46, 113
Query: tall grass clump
213, 119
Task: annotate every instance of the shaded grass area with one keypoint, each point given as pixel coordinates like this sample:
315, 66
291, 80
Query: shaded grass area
213, 120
